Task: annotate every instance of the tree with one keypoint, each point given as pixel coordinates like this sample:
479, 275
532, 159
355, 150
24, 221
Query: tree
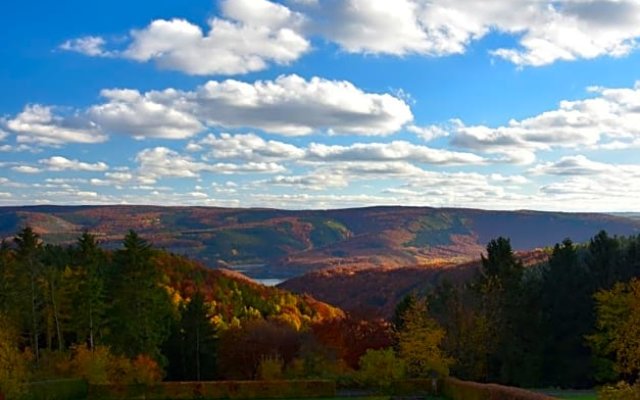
13, 368
141, 309
568, 317
499, 286
191, 347
89, 294
617, 338
419, 343
380, 368
29, 251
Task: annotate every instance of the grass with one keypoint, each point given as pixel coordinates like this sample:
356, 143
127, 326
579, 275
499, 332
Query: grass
572, 394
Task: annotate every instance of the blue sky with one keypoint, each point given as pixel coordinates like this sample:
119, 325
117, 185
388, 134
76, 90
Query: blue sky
321, 103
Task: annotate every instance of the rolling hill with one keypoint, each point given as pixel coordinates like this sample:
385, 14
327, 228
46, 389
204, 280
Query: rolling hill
287, 243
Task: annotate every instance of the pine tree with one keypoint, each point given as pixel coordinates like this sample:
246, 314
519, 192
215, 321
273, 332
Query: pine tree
141, 307
29, 251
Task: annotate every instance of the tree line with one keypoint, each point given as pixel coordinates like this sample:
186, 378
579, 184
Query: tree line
139, 314
572, 321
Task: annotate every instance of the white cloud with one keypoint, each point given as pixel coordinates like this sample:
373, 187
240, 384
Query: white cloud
59, 163
248, 36
546, 30
129, 112
614, 114
580, 165
92, 46
428, 133
312, 181
160, 162
38, 124
288, 105
26, 169
394, 151
246, 147
291, 105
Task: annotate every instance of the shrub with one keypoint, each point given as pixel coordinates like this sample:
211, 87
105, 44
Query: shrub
99, 366
380, 368
270, 368
145, 370
91, 366
13, 366
620, 391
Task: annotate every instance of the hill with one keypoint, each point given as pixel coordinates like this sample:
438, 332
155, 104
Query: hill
287, 243
377, 291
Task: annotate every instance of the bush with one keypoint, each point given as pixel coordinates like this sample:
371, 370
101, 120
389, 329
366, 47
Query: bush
99, 366
380, 369
270, 368
13, 365
620, 391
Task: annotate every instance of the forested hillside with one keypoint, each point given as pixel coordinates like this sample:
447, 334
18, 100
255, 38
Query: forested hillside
290, 243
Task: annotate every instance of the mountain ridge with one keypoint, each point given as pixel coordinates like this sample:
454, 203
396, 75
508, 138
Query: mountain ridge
287, 243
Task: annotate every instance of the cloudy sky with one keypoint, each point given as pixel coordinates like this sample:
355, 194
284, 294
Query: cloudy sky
322, 103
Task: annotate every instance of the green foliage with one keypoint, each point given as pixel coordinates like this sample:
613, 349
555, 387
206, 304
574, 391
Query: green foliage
380, 369
618, 329
436, 230
138, 296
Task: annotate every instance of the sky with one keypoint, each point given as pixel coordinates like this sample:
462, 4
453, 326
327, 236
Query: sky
297, 104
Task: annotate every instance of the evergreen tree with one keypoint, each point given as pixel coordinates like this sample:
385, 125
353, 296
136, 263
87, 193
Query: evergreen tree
499, 285
141, 308
28, 253
89, 297
566, 299
191, 348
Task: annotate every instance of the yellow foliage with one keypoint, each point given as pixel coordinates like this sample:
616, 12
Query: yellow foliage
100, 366
419, 343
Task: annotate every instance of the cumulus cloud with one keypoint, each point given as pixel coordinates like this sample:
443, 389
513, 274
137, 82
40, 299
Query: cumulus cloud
394, 151
38, 124
292, 105
614, 114
161, 162
312, 181
59, 163
288, 105
249, 35
245, 147
580, 165
547, 31
127, 111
